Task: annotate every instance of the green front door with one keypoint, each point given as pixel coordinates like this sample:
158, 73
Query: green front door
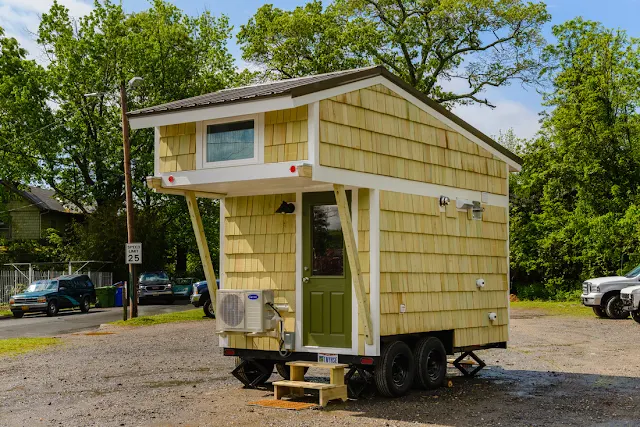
326, 280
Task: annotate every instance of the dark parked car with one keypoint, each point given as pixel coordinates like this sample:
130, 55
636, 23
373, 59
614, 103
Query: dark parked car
201, 298
154, 285
49, 296
183, 287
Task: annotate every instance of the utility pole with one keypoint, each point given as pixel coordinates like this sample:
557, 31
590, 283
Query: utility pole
132, 288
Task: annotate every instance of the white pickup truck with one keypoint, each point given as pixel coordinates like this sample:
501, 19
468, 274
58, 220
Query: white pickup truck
630, 298
603, 294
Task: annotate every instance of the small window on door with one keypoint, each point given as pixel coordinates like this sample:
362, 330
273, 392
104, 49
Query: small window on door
327, 240
230, 142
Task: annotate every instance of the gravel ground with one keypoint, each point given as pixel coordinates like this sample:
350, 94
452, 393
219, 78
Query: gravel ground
557, 371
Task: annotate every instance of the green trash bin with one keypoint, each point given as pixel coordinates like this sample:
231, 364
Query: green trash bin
106, 296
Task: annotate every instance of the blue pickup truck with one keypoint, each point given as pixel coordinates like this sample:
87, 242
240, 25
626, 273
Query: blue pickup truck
200, 298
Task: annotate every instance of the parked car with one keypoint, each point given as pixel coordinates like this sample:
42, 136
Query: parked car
49, 296
603, 294
154, 285
201, 298
183, 287
631, 301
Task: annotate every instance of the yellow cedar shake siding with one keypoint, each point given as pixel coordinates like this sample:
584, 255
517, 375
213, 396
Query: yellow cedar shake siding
286, 135
260, 253
363, 253
178, 147
430, 261
375, 130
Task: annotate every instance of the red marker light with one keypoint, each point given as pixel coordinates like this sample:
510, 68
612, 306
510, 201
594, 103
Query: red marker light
171, 179
292, 169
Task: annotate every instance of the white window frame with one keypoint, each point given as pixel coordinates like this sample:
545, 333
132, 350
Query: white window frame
258, 142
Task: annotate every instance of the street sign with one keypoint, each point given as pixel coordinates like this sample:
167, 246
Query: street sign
133, 253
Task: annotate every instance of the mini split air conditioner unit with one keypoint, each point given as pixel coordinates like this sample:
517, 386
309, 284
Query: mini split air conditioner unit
241, 310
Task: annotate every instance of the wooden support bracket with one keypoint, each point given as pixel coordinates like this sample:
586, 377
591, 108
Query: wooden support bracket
155, 184
203, 248
354, 261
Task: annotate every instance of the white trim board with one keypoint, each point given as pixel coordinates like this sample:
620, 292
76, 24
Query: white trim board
374, 272
379, 182
210, 113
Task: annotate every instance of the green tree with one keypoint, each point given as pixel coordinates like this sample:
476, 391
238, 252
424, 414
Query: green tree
575, 203
78, 148
482, 43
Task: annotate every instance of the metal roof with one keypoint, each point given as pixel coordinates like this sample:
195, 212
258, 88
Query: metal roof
310, 84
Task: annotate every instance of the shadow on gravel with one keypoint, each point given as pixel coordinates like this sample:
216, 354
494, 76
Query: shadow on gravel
514, 397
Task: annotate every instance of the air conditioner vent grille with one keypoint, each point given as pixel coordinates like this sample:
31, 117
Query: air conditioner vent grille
232, 312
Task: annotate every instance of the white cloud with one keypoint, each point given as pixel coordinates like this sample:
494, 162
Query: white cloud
507, 114
21, 18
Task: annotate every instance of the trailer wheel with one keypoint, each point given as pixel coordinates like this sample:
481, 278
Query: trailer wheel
431, 361
394, 374
600, 312
284, 371
250, 371
615, 308
635, 315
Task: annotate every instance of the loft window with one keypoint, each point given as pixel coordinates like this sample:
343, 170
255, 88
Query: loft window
230, 141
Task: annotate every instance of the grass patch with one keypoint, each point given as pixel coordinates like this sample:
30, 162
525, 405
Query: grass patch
5, 313
180, 316
555, 308
13, 346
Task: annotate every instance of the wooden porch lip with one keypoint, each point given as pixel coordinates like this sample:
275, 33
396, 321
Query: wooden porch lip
155, 183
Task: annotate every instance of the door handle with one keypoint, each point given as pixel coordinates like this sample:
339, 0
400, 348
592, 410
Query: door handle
305, 280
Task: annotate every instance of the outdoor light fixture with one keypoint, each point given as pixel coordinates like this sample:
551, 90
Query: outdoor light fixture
444, 200
286, 208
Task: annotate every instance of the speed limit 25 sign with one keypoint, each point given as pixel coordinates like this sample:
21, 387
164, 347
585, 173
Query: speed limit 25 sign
133, 253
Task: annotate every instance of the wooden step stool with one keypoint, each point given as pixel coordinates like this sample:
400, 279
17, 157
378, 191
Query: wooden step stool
296, 385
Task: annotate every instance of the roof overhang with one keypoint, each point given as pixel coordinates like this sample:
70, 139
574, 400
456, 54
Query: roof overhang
315, 92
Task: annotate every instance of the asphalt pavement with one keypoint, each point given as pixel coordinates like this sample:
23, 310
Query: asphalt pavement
69, 321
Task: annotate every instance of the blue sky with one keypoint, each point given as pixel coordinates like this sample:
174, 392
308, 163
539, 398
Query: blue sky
517, 107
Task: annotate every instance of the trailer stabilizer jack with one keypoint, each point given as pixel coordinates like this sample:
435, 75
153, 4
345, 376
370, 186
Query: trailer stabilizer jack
463, 365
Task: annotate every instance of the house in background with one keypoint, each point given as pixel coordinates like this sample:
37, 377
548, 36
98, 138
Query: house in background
28, 213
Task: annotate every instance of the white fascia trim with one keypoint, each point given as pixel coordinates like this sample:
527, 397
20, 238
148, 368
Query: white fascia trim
230, 174
338, 90
374, 272
223, 339
354, 299
210, 113
313, 133
327, 350
379, 182
299, 299
156, 151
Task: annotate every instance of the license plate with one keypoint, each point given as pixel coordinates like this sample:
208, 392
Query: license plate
25, 308
327, 358
154, 294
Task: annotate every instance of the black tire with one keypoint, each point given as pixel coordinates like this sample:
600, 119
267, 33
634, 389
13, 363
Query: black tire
396, 370
207, 307
18, 314
431, 363
635, 315
614, 308
52, 308
85, 305
284, 371
600, 312
251, 371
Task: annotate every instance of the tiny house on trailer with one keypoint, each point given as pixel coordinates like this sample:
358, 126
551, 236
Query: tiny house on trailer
361, 223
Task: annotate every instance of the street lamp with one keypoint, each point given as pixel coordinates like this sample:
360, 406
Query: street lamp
133, 83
